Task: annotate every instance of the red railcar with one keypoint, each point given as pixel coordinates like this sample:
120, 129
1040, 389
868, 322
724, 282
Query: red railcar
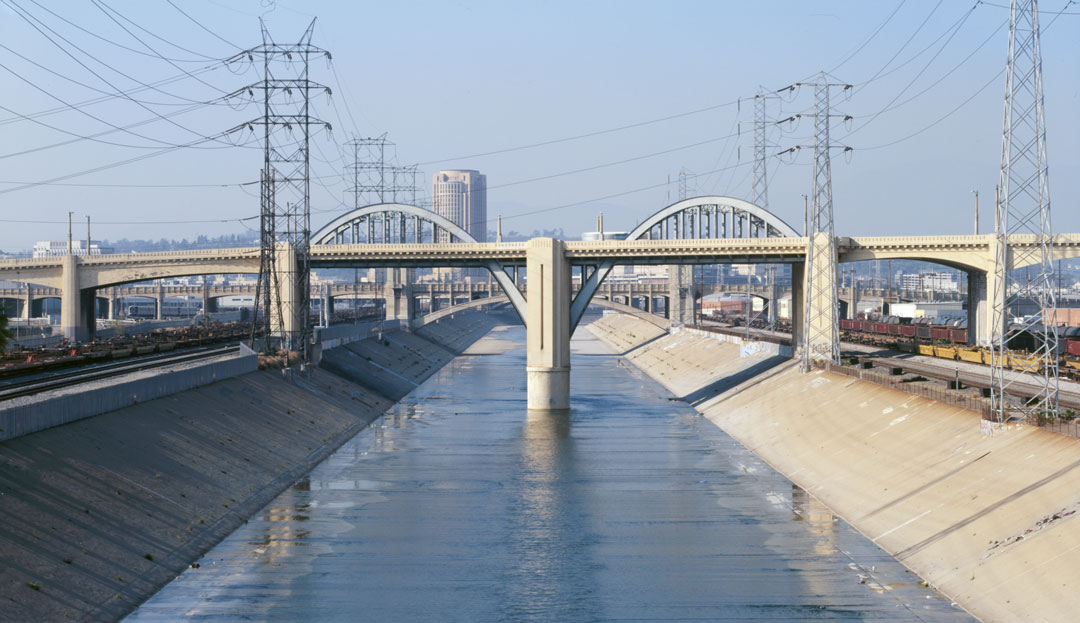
881, 327
894, 329
1074, 347
907, 330
958, 336
939, 333
847, 325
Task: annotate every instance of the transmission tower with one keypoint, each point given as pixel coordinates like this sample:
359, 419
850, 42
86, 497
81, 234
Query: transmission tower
760, 193
1023, 207
821, 277
684, 188
368, 170
285, 180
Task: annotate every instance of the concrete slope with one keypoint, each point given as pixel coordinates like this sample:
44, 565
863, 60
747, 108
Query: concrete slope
98, 514
989, 521
459, 332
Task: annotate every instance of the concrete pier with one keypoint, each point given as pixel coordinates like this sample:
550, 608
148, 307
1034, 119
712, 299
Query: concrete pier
548, 323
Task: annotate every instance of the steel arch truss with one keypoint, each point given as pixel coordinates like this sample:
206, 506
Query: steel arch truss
399, 223
697, 217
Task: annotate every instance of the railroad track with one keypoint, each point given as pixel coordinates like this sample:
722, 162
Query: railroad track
942, 372
75, 377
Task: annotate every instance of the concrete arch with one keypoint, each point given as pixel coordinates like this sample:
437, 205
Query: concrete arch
447, 311
774, 226
758, 217
630, 310
329, 234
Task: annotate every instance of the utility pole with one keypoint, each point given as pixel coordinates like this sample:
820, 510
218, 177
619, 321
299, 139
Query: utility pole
1024, 208
976, 212
88, 235
805, 215
70, 246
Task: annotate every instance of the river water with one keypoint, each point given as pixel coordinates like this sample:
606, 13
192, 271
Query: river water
459, 505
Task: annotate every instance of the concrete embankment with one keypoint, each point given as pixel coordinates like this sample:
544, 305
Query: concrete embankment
989, 521
99, 513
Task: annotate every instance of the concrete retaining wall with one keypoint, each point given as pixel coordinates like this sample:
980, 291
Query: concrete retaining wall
98, 514
989, 520
25, 417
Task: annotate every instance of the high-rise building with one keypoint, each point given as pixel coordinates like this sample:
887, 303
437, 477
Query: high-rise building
461, 197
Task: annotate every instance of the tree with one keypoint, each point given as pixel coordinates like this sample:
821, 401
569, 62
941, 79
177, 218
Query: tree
5, 333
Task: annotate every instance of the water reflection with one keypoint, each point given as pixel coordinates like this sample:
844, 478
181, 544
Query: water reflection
818, 518
551, 575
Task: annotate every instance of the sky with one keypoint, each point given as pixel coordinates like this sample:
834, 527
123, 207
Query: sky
623, 96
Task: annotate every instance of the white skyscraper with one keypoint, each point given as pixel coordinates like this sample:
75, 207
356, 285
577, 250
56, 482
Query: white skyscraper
461, 197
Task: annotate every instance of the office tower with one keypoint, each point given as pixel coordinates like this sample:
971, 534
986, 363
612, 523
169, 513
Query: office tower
461, 197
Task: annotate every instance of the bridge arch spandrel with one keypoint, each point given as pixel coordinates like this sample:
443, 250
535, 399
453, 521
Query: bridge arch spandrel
707, 217
967, 253
334, 232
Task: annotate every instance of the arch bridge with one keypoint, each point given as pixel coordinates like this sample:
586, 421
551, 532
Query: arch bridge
701, 230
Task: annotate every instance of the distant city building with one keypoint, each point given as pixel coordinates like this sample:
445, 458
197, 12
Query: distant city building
461, 197
54, 248
608, 235
929, 282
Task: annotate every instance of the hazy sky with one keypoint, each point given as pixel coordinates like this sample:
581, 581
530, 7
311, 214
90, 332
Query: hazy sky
448, 80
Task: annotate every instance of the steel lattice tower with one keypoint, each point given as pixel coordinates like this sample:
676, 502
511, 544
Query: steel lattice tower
285, 194
821, 277
760, 194
1023, 209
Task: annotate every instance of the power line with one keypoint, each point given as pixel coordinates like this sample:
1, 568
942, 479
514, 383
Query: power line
186, 222
77, 185
200, 25
101, 6
919, 75
586, 135
108, 40
108, 96
23, 14
871, 37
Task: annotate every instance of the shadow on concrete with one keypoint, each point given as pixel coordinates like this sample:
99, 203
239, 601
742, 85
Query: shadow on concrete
728, 382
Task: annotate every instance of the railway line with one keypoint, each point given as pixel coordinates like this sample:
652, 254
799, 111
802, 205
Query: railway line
51, 381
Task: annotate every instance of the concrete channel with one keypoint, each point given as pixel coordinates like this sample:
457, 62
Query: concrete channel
99, 513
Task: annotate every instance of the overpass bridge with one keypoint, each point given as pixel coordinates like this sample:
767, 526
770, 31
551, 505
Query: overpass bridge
701, 230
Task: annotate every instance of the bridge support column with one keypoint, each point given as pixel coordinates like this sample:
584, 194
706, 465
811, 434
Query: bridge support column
548, 321
205, 297
72, 321
160, 300
397, 292
680, 279
111, 314
798, 306
327, 305
774, 300
822, 340
285, 313
28, 304
980, 309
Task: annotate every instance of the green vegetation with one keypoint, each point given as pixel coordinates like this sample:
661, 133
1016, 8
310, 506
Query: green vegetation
5, 333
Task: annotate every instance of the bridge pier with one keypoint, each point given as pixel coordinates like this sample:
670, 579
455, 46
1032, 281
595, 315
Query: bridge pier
28, 304
680, 285
548, 282
327, 305
980, 308
397, 292
798, 306
823, 342
72, 319
284, 298
160, 311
